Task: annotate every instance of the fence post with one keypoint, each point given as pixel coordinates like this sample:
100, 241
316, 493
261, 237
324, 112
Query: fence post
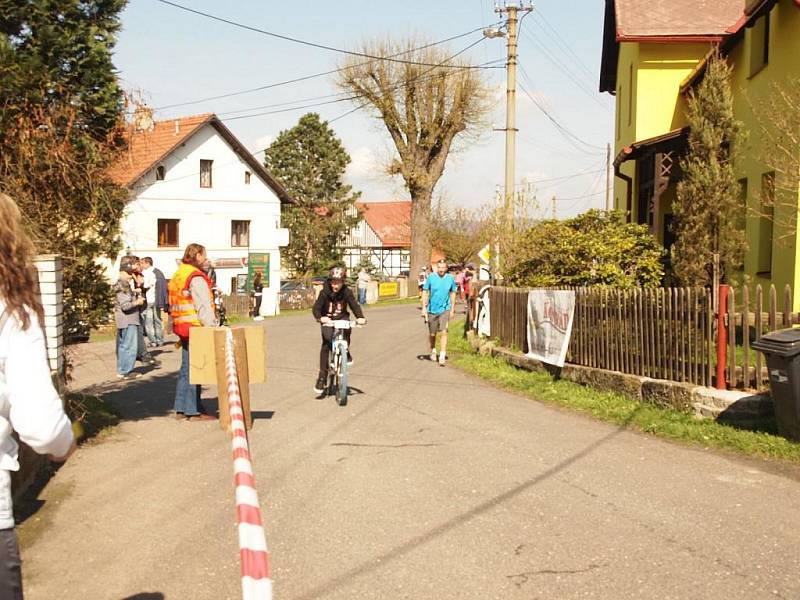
722, 337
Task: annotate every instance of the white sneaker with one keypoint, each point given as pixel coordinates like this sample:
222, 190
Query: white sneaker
441, 359
433, 355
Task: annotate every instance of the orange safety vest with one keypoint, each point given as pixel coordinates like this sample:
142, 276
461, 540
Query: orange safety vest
181, 308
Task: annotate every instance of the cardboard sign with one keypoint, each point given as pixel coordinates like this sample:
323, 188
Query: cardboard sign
202, 354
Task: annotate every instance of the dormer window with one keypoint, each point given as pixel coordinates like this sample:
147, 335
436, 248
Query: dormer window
160, 172
247, 177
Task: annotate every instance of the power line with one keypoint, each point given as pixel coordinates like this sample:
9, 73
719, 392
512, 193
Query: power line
421, 77
307, 77
287, 38
565, 70
556, 37
566, 132
565, 177
325, 97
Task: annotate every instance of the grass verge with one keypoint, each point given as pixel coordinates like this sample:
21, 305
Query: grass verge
616, 408
90, 416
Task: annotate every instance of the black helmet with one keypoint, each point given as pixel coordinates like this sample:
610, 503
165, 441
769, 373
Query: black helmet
337, 273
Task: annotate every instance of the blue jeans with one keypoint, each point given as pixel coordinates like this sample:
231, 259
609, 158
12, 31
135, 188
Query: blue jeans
362, 295
187, 396
153, 326
127, 342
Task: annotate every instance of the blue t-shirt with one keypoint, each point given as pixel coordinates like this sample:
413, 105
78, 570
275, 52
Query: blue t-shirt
440, 288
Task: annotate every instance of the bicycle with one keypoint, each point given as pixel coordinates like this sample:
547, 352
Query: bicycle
337, 367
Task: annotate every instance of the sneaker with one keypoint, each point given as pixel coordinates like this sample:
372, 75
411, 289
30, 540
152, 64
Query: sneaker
433, 355
319, 387
350, 359
128, 376
152, 362
442, 359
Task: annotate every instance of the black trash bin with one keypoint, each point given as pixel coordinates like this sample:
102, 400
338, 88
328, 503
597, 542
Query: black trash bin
782, 349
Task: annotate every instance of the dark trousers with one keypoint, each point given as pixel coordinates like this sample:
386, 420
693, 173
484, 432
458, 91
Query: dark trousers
325, 348
10, 566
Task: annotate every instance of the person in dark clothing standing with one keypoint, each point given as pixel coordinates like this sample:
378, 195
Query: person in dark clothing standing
162, 303
332, 305
258, 294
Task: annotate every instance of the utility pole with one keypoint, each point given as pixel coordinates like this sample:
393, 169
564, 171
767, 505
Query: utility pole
608, 177
553, 201
512, 10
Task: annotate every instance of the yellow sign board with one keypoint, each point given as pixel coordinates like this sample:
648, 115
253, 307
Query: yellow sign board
388, 288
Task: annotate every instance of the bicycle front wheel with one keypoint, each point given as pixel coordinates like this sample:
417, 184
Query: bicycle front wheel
341, 387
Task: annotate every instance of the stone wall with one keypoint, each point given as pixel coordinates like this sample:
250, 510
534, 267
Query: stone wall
740, 408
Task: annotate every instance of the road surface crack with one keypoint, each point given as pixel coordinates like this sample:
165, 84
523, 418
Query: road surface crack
355, 445
521, 579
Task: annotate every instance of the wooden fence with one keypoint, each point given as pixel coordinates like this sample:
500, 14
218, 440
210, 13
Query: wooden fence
664, 333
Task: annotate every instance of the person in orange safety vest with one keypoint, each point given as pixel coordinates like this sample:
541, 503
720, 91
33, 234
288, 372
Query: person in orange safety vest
190, 305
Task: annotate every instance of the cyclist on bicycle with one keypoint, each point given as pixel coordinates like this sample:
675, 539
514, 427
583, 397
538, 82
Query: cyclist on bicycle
331, 305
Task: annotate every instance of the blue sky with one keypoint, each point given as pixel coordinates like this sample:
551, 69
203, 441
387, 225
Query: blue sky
171, 56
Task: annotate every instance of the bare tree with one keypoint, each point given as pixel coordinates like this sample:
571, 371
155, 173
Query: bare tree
778, 124
459, 232
426, 99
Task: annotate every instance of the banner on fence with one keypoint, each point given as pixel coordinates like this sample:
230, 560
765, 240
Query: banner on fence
482, 324
550, 315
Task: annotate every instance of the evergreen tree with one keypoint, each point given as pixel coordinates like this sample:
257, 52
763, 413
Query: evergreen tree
310, 161
60, 127
708, 210
59, 51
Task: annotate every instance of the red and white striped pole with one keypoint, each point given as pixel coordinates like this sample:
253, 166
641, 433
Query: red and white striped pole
256, 582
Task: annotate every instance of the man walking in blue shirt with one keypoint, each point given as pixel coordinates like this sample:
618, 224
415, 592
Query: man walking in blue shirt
438, 306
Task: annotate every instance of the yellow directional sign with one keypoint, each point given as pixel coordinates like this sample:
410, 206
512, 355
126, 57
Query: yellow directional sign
485, 254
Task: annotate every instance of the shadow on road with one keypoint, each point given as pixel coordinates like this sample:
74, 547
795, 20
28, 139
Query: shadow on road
420, 540
146, 596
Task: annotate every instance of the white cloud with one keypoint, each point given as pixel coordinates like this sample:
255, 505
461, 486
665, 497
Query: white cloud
363, 163
263, 142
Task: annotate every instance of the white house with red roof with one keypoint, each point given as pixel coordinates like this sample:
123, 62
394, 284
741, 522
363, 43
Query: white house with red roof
192, 181
384, 235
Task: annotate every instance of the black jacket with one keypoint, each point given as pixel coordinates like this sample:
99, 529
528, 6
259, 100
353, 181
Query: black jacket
334, 306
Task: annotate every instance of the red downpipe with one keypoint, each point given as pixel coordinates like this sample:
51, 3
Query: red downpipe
722, 337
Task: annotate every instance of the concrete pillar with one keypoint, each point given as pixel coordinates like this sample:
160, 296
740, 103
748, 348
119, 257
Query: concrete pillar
372, 292
51, 288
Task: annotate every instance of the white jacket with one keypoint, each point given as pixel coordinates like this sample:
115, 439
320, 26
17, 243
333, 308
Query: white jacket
29, 404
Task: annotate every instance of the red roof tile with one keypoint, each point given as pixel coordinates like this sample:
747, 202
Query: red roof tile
645, 18
147, 148
390, 220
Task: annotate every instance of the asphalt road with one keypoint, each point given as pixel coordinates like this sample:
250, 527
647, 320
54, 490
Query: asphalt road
428, 485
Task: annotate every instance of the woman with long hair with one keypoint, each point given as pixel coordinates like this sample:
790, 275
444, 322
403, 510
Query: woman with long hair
27, 396
191, 305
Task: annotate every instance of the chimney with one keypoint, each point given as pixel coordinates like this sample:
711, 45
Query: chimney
143, 118
177, 126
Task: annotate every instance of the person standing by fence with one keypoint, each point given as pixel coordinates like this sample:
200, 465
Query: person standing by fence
363, 283
29, 404
438, 307
191, 305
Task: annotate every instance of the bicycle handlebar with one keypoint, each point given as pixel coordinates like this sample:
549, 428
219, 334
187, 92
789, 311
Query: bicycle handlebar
341, 324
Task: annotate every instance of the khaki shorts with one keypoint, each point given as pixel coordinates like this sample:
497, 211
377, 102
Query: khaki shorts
438, 322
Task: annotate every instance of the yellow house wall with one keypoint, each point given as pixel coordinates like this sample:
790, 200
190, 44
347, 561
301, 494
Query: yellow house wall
654, 72
625, 133
749, 93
